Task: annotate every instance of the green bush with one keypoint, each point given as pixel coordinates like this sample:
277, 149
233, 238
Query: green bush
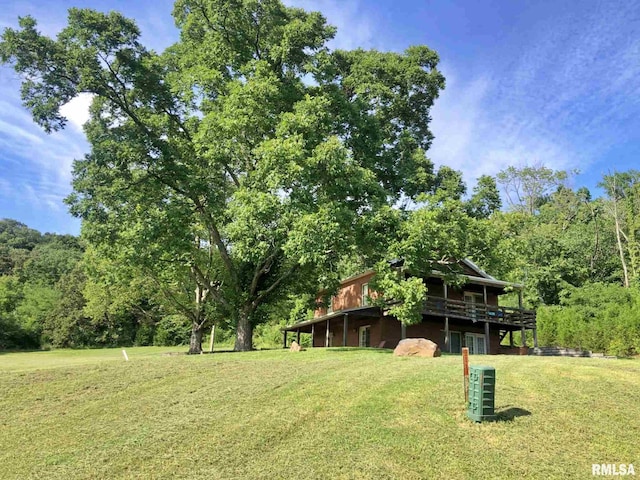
172, 330
14, 336
597, 317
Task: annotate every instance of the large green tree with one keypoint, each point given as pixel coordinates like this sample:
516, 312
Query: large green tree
240, 164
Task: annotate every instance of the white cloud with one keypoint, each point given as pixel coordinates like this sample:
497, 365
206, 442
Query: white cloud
563, 99
77, 110
356, 27
35, 168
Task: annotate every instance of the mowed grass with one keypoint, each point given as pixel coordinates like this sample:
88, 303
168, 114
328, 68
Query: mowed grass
321, 413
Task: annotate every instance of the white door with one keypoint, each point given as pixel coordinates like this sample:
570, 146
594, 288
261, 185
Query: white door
364, 334
475, 343
469, 341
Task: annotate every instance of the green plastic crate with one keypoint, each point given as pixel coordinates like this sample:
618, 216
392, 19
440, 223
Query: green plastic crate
482, 393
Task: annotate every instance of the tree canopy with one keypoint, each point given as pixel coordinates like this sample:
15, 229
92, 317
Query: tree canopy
240, 164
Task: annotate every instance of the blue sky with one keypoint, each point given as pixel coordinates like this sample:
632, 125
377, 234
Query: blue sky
535, 82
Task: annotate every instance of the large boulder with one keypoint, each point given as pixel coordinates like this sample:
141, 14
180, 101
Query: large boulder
295, 347
417, 347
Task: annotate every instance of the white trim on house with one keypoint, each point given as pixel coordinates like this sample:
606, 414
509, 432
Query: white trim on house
478, 344
364, 295
366, 330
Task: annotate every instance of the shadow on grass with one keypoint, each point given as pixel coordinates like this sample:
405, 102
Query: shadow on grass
511, 413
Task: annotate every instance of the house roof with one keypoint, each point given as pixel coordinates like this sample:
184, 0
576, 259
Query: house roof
366, 311
490, 281
482, 277
477, 269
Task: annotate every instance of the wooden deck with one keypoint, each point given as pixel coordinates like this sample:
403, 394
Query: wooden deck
480, 312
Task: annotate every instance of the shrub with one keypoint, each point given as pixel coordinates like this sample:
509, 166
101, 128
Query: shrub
172, 330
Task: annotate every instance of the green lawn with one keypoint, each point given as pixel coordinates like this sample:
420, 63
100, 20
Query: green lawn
320, 413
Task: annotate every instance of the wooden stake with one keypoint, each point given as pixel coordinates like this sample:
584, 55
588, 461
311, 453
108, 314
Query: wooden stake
465, 371
126, 357
213, 333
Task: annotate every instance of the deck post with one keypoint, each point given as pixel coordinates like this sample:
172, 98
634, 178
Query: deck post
313, 333
284, 339
298, 337
447, 343
523, 336
520, 307
326, 337
487, 338
535, 338
345, 326
511, 338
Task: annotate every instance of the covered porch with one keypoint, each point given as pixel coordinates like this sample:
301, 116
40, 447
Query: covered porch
352, 327
480, 311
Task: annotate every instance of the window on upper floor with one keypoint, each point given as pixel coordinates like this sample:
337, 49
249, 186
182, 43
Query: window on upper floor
365, 295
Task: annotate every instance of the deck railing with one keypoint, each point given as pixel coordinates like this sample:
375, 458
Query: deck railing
479, 312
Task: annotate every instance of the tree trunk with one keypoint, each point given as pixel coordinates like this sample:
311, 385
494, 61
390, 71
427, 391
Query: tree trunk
244, 333
619, 241
195, 343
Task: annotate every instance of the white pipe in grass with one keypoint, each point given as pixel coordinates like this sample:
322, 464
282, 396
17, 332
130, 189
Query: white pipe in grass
126, 357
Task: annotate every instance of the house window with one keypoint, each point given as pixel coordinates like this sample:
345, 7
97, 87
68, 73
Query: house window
365, 295
475, 343
472, 299
364, 334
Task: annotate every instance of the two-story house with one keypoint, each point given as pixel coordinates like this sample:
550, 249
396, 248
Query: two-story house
453, 317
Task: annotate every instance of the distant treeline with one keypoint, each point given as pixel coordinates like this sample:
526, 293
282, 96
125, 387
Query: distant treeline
52, 296
578, 257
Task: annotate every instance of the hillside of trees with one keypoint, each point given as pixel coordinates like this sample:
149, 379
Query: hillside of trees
575, 254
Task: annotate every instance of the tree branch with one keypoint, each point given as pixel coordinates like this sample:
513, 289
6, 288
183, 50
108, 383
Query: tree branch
260, 270
260, 298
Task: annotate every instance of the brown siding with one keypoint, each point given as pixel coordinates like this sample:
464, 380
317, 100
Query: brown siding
433, 329
336, 328
349, 295
386, 332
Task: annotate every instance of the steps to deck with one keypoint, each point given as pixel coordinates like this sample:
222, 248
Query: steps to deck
565, 352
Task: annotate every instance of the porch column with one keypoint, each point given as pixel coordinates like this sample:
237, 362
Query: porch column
345, 326
484, 292
313, 333
298, 337
284, 339
520, 307
535, 337
487, 338
326, 337
447, 343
